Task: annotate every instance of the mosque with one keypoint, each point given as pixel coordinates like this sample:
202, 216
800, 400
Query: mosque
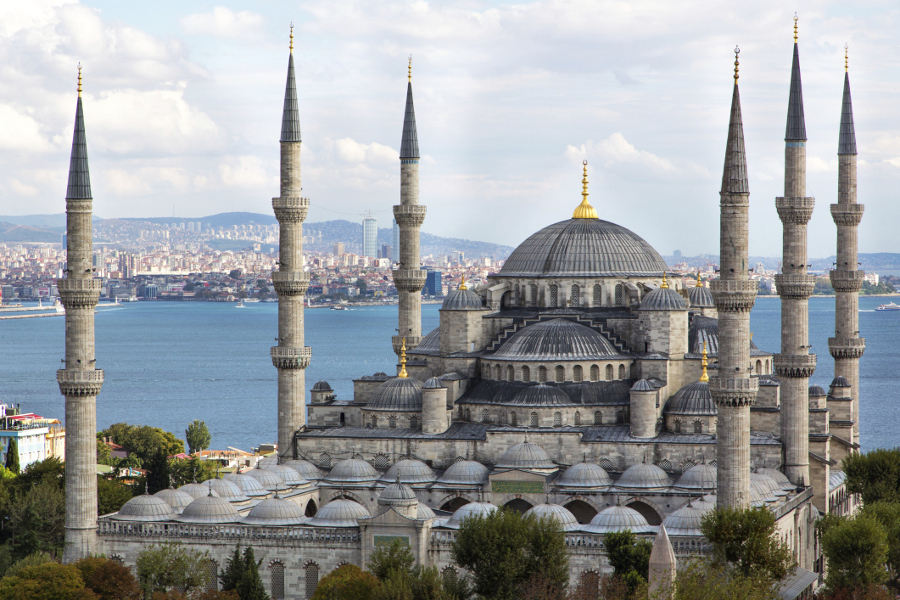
579, 384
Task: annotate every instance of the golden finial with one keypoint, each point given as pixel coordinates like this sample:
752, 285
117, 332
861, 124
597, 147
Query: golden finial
796, 18
403, 372
704, 377
584, 210
409, 69
846, 57
664, 285
699, 282
737, 50
292, 37
462, 284
79, 80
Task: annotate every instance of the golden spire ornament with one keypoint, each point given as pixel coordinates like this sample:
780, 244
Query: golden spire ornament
737, 63
585, 210
796, 18
462, 284
403, 372
79, 80
699, 281
292, 38
846, 57
704, 377
664, 285
409, 69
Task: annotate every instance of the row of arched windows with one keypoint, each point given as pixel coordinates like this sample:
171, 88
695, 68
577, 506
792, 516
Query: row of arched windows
393, 421
554, 299
698, 426
559, 373
534, 418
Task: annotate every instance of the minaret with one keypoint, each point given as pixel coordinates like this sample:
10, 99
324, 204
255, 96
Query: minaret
734, 294
290, 356
409, 214
81, 380
846, 346
795, 364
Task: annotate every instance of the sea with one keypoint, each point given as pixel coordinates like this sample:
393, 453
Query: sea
168, 363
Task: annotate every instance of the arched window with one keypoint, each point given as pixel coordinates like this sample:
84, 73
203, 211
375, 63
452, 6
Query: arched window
560, 374
414, 422
501, 417
621, 371
117, 559
557, 419
212, 576
577, 419
595, 373
554, 295
513, 419
759, 367
577, 373
598, 418
485, 416
619, 294
325, 460
392, 422
526, 374
698, 427
767, 365
576, 295
677, 425
469, 415
510, 373
534, 419
542, 374
374, 420
516, 295
609, 372
381, 461
534, 294
620, 417
598, 295
497, 372
312, 579
276, 583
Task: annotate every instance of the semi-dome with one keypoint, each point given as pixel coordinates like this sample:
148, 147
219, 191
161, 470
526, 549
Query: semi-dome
703, 331
397, 494
145, 508
423, 512
693, 400
687, 519
525, 456
465, 472
462, 299
275, 511
765, 486
619, 518
560, 514
209, 509
410, 471
249, 485
322, 386
340, 513
397, 395
663, 298
644, 476
698, 477
287, 474
584, 475
433, 383
177, 499
541, 395
197, 490
352, 470
468, 510
307, 470
780, 478
225, 489
700, 297
556, 339
584, 248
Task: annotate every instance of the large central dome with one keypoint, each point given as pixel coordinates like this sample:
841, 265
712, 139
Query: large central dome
584, 248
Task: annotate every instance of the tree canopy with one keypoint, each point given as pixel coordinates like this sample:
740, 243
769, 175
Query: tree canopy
197, 436
12, 456
746, 539
856, 550
347, 582
629, 557
142, 440
171, 566
875, 475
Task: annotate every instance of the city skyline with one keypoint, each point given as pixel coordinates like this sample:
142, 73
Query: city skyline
639, 90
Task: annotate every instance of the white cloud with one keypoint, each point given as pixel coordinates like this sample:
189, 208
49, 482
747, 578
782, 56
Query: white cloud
248, 172
23, 188
224, 23
617, 154
21, 133
351, 151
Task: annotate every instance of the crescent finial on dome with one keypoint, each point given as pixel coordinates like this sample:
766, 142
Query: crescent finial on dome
403, 372
703, 362
585, 210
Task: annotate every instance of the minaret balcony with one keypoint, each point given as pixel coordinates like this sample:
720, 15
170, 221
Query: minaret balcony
409, 280
291, 209
736, 295
733, 391
846, 347
847, 215
79, 293
290, 283
410, 215
795, 286
284, 357
795, 210
846, 281
411, 342
79, 383
794, 365
79, 205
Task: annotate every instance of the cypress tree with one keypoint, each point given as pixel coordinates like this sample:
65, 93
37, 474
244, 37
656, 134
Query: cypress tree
251, 585
12, 456
234, 571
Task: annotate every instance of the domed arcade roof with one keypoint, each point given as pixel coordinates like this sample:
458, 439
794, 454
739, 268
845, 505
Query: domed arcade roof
700, 297
583, 248
267, 478
352, 470
322, 386
698, 477
694, 399
410, 471
687, 519
561, 514
209, 509
397, 394
584, 474
225, 489
249, 485
397, 494
780, 478
340, 513
465, 472
306, 469
556, 339
525, 456
469, 510
618, 518
275, 511
196, 490
644, 476
177, 499
145, 508
287, 474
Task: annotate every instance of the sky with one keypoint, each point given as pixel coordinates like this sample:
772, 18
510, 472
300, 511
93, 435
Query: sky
183, 102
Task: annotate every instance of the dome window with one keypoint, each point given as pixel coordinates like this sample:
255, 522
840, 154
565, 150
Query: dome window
277, 579
526, 374
560, 374
609, 372
598, 418
542, 374
381, 461
510, 373
513, 419
517, 298
619, 294
534, 294
534, 419
677, 425
621, 371
595, 373
554, 296
212, 575
497, 375
576, 295
620, 417
485, 416
413, 422
392, 422
598, 295
312, 579
759, 367
577, 373
698, 427
325, 460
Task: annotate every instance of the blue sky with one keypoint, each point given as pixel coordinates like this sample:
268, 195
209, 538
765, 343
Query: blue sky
183, 103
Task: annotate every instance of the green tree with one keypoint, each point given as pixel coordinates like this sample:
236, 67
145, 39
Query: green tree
49, 581
184, 471
394, 558
629, 557
703, 579
746, 538
251, 586
171, 566
111, 495
856, 551
12, 456
875, 475
347, 582
143, 440
37, 520
108, 579
361, 286
157, 472
50, 470
197, 436
32, 560
231, 576
104, 456
887, 514
504, 549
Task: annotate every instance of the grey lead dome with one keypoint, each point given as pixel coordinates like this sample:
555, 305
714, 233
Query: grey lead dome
398, 394
462, 300
145, 508
525, 456
556, 339
663, 299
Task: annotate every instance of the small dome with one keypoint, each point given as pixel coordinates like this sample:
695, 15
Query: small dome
397, 394
468, 510
816, 391
423, 513
642, 385
265, 461
145, 508
352, 470
249, 485
840, 381
397, 494
561, 514
703, 330
663, 298
225, 489
465, 472
410, 471
698, 477
177, 499
307, 470
340, 513
322, 386
462, 300
433, 384
197, 490
687, 519
618, 518
694, 399
287, 474
268, 479
700, 297
275, 511
765, 486
556, 339
644, 476
585, 475
525, 456
209, 509
780, 478
541, 395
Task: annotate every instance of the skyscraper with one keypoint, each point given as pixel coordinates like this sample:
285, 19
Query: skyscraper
370, 236
395, 242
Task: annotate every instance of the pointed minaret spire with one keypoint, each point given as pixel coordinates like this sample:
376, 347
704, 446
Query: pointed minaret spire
409, 142
796, 124
290, 118
847, 143
734, 175
79, 177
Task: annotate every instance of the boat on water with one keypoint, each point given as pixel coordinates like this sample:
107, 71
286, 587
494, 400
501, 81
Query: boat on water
240, 304
338, 307
889, 306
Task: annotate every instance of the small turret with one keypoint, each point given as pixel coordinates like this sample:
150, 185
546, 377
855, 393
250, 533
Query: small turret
434, 406
644, 409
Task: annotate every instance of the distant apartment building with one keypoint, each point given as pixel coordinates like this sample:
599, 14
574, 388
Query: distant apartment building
370, 236
37, 438
385, 251
433, 284
338, 248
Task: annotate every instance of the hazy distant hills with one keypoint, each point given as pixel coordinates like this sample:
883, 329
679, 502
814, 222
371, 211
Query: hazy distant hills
14, 232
